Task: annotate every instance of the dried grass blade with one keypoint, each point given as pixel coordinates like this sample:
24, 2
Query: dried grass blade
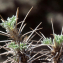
2, 18
52, 26
29, 32
30, 44
40, 39
31, 38
33, 32
33, 56
50, 47
37, 32
6, 41
21, 26
9, 52
35, 46
19, 22
28, 13
17, 16
38, 57
42, 35
24, 19
3, 33
22, 29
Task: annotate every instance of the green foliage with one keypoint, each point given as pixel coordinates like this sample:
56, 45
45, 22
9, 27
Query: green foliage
47, 41
23, 46
58, 39
10, 23
16, 46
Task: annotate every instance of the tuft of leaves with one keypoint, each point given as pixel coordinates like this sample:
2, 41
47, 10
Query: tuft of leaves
10, 23
47, 41
58, 39
16, 46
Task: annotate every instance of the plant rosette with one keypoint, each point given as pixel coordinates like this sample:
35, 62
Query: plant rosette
47, 41
58, 39
10, 23
16, 47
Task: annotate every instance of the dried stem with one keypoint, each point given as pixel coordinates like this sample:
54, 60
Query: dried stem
3, 33
24, 19
33, 32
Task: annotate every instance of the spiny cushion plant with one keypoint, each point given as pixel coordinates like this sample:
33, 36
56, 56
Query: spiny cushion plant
55, 45
19, 44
